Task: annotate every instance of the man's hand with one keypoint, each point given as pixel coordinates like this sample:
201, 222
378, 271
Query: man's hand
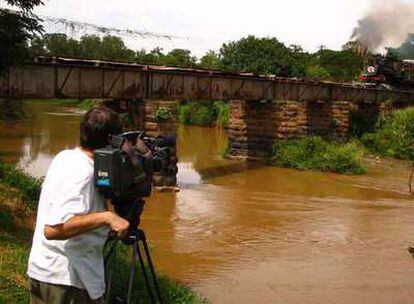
80, 224
118, 225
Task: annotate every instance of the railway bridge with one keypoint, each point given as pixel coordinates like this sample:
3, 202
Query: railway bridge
262, 108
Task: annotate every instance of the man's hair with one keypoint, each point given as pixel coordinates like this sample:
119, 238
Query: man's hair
97, 124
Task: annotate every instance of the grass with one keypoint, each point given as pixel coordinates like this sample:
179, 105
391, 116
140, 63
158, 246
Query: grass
204, 113
314, 153
394, 136
18, 197
15, 237
29, 186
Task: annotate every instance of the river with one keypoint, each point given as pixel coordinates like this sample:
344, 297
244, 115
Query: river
254, 234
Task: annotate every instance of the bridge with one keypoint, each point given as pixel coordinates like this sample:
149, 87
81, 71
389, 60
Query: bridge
47, 77
262, 108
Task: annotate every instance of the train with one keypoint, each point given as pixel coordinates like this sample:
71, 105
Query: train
388, 73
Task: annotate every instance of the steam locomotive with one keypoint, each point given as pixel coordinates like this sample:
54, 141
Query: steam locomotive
389, 73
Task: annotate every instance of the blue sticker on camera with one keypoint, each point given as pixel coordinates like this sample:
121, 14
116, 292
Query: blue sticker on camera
104, 182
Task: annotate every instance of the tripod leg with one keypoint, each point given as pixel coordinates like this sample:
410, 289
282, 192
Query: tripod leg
111, 272
150, 264
145, 275
133, 270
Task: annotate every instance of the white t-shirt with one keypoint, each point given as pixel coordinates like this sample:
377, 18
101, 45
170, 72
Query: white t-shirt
68, 190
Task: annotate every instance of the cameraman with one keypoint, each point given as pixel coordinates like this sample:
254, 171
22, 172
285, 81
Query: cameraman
66, 259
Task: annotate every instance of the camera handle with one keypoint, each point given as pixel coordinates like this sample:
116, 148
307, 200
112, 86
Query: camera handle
134, 238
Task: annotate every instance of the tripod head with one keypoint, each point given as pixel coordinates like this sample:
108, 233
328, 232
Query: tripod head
131, 211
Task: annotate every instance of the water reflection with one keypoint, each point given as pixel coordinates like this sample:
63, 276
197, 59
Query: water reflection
33, 141
245, 233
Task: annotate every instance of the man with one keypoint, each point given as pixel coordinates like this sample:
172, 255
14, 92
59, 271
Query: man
66, 260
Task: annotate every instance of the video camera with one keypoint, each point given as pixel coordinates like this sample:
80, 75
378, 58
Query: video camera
123, 170
123, 173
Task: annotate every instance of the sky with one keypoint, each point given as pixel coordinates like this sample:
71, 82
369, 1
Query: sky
307, 23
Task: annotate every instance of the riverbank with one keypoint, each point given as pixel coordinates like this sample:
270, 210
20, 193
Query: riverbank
387, 136
18, 197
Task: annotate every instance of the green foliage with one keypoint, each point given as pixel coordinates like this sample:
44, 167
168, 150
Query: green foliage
315, 71
180, 58
223, 112
153, 57
88, 47
13, 265
394, 136
344, 65
210, 61
163, 114
113, 48
15, 30
29, 186
204, 113
405, 51
314, 153
60, 45
259, 56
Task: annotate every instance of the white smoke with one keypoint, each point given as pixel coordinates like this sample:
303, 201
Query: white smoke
386, 24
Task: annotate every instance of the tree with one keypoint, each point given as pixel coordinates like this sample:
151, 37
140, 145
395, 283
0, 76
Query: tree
156, 56
61, 46
16, 28
344, 65
113, 48
405, 51
210, 61
180, 58
259, 56
90, 47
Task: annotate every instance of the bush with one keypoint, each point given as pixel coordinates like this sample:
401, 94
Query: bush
394, 136
204, 113
163, 115
314, 153
28, 185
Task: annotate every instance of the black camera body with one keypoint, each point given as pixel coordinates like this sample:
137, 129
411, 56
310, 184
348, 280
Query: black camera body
123, 174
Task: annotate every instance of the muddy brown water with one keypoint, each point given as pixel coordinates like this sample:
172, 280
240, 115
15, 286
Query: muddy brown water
252, 234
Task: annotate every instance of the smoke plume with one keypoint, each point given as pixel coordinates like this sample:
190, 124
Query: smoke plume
386, 24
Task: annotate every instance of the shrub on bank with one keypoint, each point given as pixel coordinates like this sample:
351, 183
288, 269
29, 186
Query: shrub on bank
204, 113
28, 185
314, 153
394, 136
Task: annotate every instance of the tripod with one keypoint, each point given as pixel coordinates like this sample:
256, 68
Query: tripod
134, 238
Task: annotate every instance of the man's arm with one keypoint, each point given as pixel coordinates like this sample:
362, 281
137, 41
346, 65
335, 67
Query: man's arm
80, 224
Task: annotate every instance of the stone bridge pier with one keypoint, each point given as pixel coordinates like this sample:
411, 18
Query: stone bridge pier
255, 126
